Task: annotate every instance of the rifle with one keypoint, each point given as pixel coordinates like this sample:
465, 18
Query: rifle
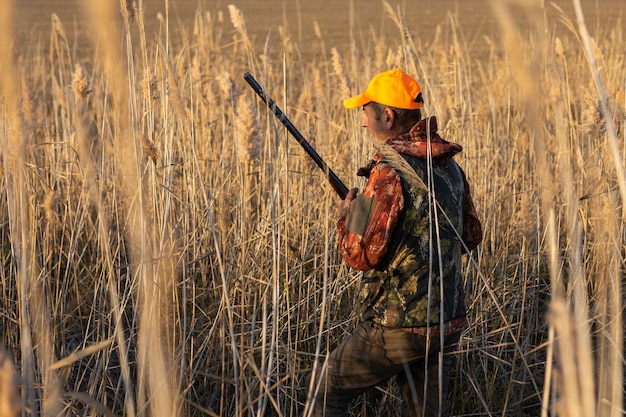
335, 182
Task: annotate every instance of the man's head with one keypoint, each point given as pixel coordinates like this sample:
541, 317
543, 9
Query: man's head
391, 103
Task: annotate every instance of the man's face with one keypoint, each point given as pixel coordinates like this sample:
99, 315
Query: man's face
375, 123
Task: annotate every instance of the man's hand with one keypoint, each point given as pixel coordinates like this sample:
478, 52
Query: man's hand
345, 204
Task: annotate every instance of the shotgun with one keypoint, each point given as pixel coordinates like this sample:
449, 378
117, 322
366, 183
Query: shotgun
335, 182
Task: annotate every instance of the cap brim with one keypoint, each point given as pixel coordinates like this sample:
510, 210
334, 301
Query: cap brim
356, 101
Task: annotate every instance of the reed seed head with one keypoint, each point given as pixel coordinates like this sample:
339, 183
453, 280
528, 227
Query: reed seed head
597, 51
227, 87
27, 103
150, 87
247, 129
80, 83
317, 30
129, 8
338, 67
149, 148
558, 48
594, 117
236, 18
58, 28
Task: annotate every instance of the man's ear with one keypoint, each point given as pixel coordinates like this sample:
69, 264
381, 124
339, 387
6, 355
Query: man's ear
390, 116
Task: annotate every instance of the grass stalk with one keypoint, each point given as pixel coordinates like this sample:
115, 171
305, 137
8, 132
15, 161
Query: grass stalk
167, 249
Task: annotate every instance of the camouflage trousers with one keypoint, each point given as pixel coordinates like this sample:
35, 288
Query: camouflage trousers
372, 354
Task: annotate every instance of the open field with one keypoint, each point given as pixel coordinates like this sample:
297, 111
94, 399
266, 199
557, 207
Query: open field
341, 22
167, 249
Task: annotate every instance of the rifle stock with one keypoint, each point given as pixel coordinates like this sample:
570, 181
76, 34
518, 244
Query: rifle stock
339, 187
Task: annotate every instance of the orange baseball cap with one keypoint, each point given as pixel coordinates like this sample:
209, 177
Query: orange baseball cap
393, 88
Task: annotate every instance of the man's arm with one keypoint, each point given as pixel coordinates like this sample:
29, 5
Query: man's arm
367, 222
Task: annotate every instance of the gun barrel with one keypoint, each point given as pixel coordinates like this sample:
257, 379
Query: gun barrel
339, 187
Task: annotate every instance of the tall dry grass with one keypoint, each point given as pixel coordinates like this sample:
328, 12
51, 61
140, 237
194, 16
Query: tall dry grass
167, 249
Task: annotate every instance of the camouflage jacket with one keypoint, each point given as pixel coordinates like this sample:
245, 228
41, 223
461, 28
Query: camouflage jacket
409, 247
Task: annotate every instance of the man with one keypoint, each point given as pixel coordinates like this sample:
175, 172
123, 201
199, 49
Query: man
407, 232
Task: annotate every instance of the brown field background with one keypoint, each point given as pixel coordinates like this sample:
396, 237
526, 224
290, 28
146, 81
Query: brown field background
167, 249
475, 18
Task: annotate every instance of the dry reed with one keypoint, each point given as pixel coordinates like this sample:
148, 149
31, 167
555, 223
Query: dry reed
10, 401
167, 249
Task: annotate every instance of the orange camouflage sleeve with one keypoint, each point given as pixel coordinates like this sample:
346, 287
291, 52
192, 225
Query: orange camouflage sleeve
365, 229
